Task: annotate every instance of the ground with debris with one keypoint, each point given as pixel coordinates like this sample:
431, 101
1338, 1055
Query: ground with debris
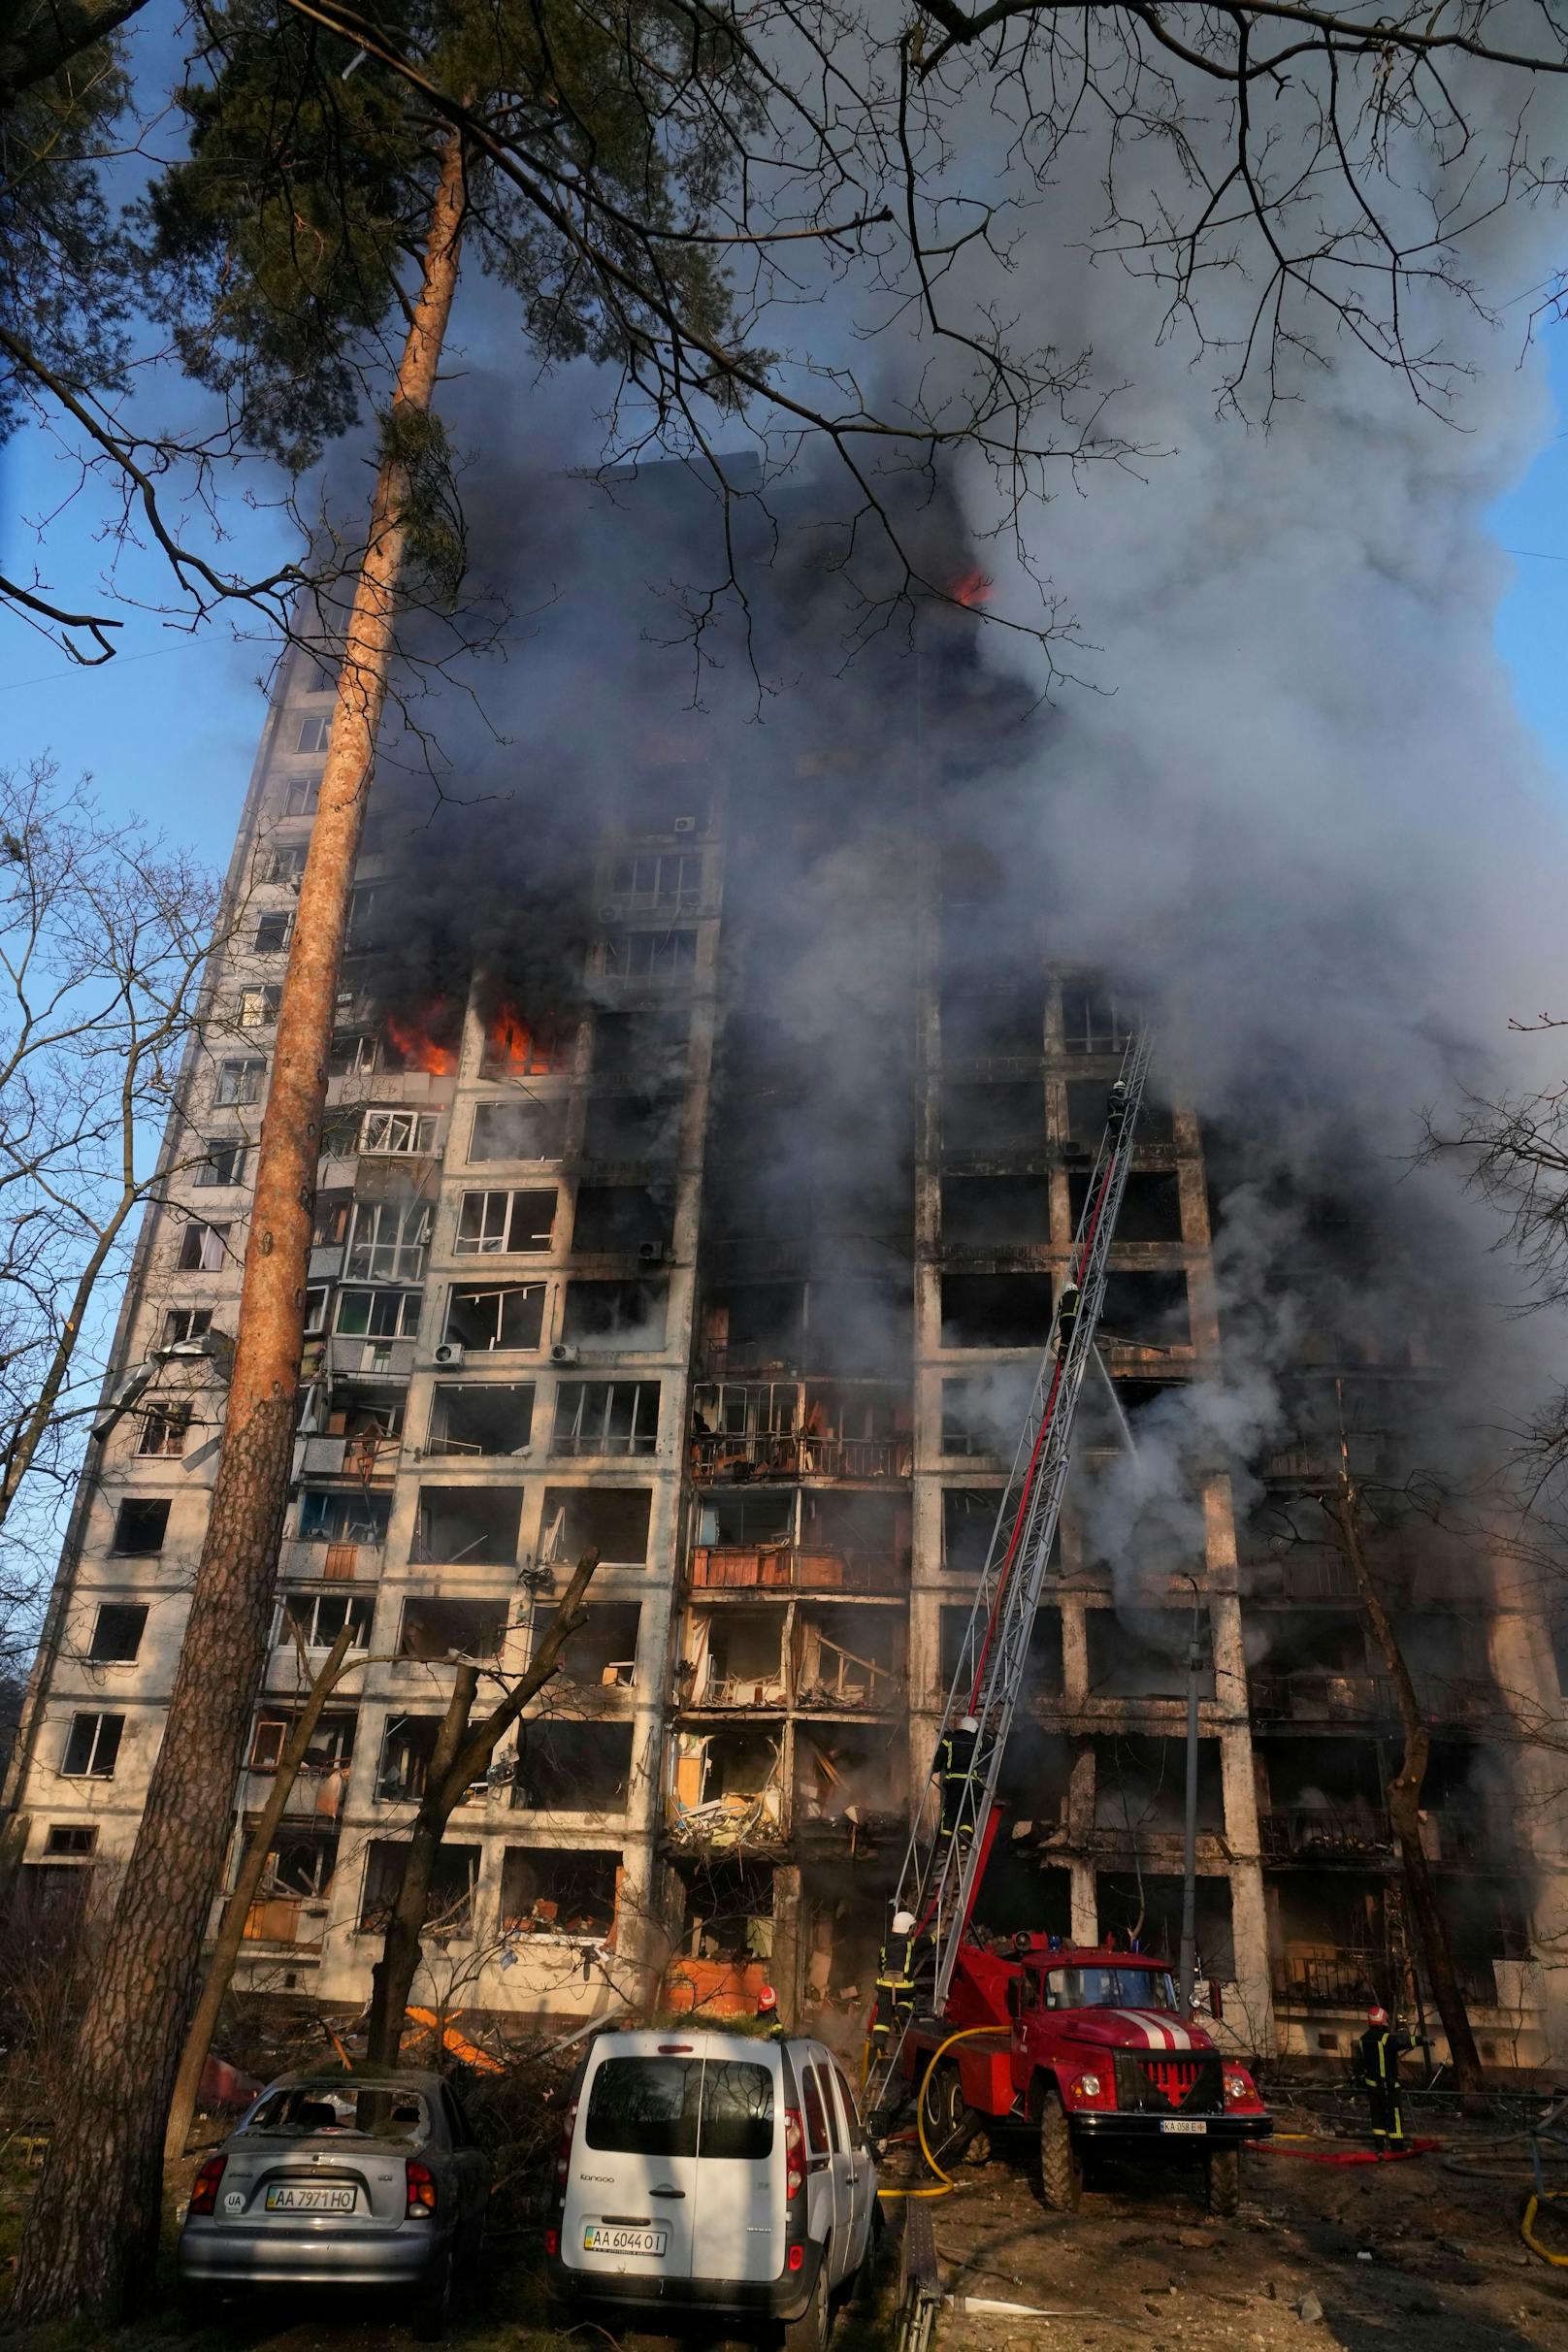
1374, 2258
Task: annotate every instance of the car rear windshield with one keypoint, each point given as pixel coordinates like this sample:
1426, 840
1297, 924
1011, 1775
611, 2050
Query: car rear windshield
1109, 1988
384, 2112
680, 2106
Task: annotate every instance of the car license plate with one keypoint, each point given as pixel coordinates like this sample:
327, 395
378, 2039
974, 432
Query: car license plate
281, 2199
610, 2237
1181, 2124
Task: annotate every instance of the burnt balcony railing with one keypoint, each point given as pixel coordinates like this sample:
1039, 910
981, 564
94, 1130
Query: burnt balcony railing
790, 1568
1317, 1833
295, 1920
1317, 1695
1327, 1976
795, 1453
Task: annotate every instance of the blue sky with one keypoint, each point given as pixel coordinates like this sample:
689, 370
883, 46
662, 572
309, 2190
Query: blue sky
169, 728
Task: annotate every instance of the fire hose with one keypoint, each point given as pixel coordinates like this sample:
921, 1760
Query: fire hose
948, 2185
1279, 2145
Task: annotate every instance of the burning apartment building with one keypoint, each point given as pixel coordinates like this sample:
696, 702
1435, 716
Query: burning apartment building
708, 1127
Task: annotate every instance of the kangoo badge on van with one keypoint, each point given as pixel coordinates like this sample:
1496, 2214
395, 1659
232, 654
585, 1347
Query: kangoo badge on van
708, 2172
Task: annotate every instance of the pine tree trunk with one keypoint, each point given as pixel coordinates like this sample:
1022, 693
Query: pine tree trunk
92, 2229
246, 1886
1404, 1806
462, 1751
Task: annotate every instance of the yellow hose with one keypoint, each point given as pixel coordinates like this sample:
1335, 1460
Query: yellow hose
1537, 2199
967, 2034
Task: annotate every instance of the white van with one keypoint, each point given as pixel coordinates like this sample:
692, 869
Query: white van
708, 2172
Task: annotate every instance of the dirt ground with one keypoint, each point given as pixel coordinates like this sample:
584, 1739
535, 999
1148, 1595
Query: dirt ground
1415, 2256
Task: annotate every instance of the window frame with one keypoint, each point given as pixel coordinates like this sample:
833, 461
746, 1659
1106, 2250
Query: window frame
240, 1083
92, 1767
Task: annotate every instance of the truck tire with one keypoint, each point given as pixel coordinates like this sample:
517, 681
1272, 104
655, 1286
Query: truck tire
810, 2332
949, 2119
1062, 2171
1223, 2168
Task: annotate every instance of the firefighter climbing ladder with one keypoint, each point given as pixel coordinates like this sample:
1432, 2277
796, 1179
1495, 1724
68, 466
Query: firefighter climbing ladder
937, 1881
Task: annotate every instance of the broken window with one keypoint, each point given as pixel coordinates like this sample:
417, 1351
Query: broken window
223, 1165
76, 1840
437, 1628
273, 934
669, 879
449, 1906
978, 1120
378, 1314
329, 1229
117, 1633
572, 1767
258, 1007
334, 1515
476, 1525
331, 1751
164, 1425
1140, 1784
182, 1325
1151, 1205
996, 1310
615, 1313
606, 1416
204, 1249
730, 1522
632, 1126
407, 1750
317, 1619
730, 1912
1141, 1653
649, 954
848, 1774
734, 1657
995, 1212
1043, 1678
400, 1134
847, 1659
140, 1524
283, 865
1097, 1019
969, 1517
468, 1419
513, 1047
558, 1890
388, 1240
984, 1412
355, 1053
1145, 1311
754, 1327
623, 1218
528, 1129
984, 1023
496, 1314
92, 1746
642, 1050
611, 1521
859, 1540
495, 1225
1087, 1099
602, 1654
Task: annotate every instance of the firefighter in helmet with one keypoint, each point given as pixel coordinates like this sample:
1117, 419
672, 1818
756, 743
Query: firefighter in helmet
767, 2013
1378, 2053
955, 1760
894, 1981
1066, 1318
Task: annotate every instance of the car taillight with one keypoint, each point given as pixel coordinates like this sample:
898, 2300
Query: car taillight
421, 2189
553, 2241
563, 2153
793, 2154
204, 2193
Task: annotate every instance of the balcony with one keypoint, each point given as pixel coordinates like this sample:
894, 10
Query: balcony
1316, 1695
298, 1920
1320, 1834
1327, 1976
785, 1568
792, 1455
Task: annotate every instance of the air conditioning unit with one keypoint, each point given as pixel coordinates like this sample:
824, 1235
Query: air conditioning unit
609, 914
450, 1351
651, 1252
562, 1354
684, 825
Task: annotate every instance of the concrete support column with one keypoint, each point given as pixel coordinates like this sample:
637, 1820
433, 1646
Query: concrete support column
785, 1968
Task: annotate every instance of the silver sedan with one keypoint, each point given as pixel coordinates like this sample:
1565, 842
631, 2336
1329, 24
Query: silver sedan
369, 2181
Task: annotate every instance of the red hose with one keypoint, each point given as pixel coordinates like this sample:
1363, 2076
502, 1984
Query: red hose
1408, 2147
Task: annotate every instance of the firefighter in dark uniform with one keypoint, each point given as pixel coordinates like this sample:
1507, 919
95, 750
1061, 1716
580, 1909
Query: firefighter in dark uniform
1066, 1319
894, 1981
954, 1758
1378, 2055
767, 2014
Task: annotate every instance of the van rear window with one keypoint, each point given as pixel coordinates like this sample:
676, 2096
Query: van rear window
664, 2106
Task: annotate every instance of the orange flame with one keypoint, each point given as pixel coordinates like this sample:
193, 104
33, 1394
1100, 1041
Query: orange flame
419, 1050
523, 1048
974, 588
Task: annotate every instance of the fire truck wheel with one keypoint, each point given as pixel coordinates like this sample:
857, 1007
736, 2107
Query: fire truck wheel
1224, 2167
1062, 2170
950, 2120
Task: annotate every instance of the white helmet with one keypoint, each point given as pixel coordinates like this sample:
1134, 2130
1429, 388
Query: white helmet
971, 1723
903, 1923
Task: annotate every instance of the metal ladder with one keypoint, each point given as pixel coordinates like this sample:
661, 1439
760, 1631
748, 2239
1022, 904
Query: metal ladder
937, 1881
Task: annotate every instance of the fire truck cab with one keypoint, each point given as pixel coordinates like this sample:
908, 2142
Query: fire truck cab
1097, 2052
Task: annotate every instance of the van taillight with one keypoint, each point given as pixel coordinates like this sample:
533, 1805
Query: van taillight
422, 2190
563, 2154
204, 2190
793, 2154
553, 2241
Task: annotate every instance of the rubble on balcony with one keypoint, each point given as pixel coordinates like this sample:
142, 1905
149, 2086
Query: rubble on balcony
733, 1659
844, 1780
559, 1890
792, 1428
727, 1790
847, 1660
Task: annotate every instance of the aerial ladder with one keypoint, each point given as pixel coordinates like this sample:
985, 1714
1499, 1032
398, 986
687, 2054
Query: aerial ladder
943, 1861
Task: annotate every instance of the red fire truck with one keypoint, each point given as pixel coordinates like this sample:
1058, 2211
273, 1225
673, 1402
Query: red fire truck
1097, 2054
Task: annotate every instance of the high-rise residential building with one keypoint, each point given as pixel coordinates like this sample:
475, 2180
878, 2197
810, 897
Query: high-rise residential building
733, 1263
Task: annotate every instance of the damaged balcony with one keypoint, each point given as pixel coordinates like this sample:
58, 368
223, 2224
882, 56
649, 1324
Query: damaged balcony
291, 1904
726, 1935
785, 1540
1141, 1653
598, 1662
997, 1125
726, 1791
435, 1629
559, 1890
1139, 1788
566, 1767
351, 1429
854, 1430
407, 1748
849, 1788
995, 1213
466, 1526
843, 1324
451, 1905
318, 1793
611, 1521
473, 1423
821, 1660
733, 1659
847, 1661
